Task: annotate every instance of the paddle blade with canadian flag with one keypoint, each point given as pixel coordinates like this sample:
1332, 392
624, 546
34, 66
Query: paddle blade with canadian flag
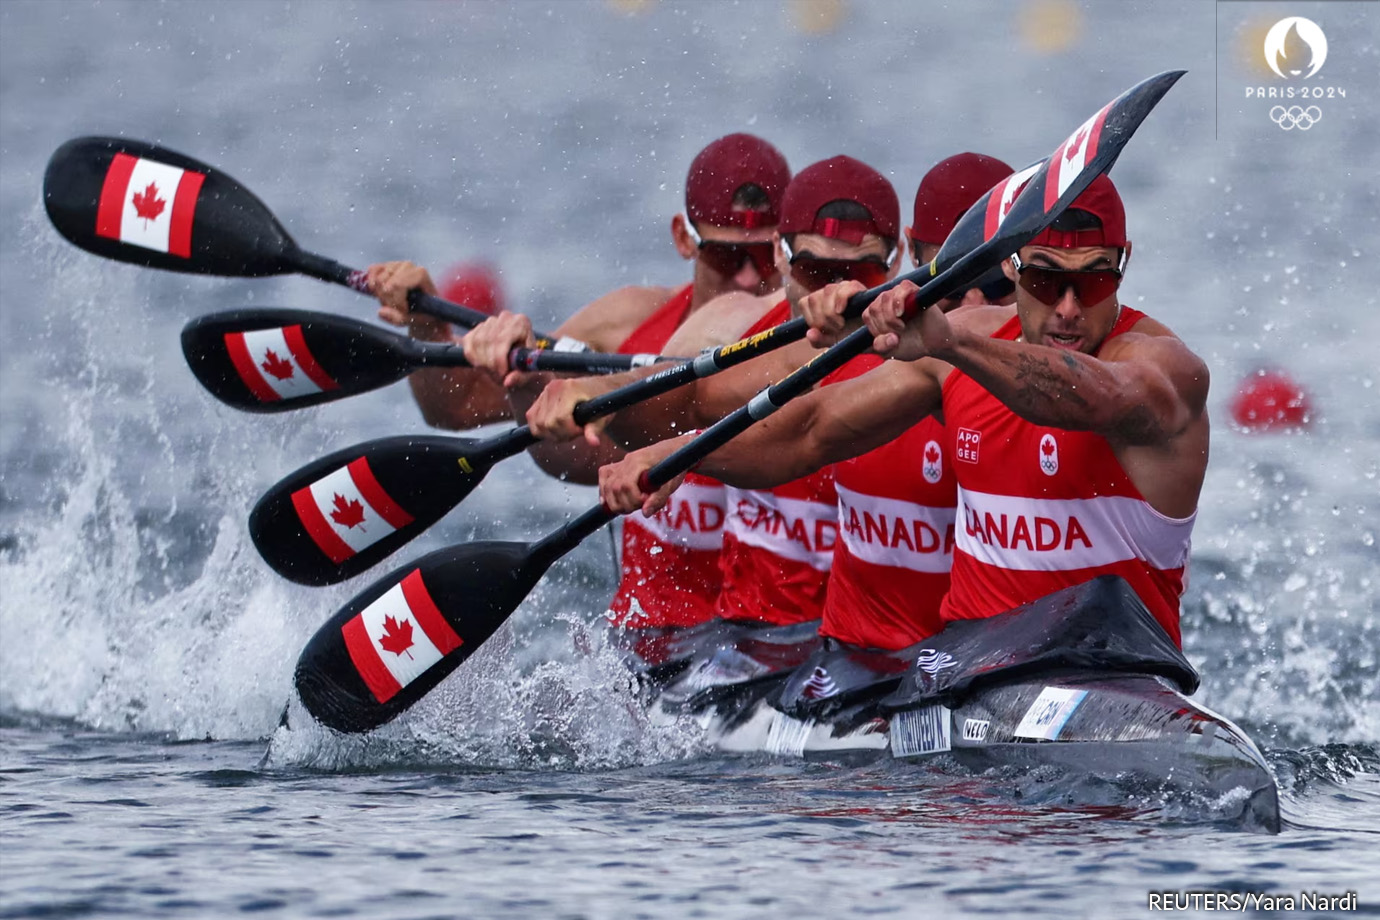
268, 360
137, 202
342, 514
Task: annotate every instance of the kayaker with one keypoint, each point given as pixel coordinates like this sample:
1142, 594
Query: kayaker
890, 567
1077, 425
733, 192
840, 219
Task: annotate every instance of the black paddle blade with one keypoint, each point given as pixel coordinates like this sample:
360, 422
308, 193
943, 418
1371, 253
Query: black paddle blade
387, 648
1019, 206
137, 202
279, 360
348, 511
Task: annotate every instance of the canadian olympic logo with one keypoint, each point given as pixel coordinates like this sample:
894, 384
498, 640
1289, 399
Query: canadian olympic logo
1295, 117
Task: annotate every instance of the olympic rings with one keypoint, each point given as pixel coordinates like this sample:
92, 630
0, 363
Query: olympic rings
1295, 117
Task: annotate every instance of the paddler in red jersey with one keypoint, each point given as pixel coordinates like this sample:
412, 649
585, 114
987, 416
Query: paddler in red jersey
890, 568
733, 193
840, 219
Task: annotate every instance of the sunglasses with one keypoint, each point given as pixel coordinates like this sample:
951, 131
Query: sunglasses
812, 273
1047, 285
727, 258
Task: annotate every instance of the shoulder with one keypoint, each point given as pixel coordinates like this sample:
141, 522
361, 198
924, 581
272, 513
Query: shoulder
607, 322
720, 321
1153, 344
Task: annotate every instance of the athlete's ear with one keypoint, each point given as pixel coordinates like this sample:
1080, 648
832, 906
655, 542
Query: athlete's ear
680, 236
911, 248
1009, 270
783, 264
1126, 257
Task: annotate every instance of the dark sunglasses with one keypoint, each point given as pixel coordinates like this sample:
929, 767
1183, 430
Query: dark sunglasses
812, 273
727, 258
1047, 285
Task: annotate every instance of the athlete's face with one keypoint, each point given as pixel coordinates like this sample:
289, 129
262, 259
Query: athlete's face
731, 259
1066, 298
811, 261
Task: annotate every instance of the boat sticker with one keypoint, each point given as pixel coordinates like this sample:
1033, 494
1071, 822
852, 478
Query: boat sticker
1047, 715
820, 685
348, 511
975, 729
932, 662
920, 731
398, 637
786, 735
134, 204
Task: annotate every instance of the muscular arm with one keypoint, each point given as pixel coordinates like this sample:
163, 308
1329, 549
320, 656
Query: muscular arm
1144, 390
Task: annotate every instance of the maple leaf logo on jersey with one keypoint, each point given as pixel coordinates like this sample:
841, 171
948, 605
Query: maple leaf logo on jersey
147, 204
933, 467
278, 367
397, 637
1049, 455
348, 513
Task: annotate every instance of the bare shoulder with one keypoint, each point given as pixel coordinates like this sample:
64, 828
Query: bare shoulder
1153, 343
607, 322
720, 321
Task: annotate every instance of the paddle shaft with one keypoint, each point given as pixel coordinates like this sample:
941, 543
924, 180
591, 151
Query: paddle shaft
324, 269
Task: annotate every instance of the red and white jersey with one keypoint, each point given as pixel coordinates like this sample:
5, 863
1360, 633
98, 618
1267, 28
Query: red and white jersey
671, 571
778, 542
896, 536
1042, 508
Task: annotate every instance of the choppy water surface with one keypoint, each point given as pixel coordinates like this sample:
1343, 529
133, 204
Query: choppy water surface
146, 652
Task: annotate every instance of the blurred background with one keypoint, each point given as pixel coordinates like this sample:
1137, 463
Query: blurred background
550, 140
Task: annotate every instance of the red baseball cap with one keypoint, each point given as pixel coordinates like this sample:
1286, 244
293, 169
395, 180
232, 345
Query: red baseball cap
1102, 201
840, 178
949, 189
721, 169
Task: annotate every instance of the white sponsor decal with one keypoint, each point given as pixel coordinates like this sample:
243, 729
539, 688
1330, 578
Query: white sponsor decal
932, 661
692, 519
1054, 535
1048, 714
786, 736
920, 731
791, 528
966, 447
896, 533
820, 686
975, 729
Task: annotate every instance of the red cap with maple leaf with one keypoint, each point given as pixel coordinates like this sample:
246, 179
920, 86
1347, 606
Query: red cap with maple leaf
725, 166
840, 178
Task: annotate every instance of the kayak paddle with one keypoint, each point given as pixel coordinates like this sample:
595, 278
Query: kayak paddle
271, 360
141, 203
390, 645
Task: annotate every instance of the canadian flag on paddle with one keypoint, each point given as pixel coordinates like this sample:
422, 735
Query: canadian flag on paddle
276, 363
149, 204
348, 511
398, 637
1073, 154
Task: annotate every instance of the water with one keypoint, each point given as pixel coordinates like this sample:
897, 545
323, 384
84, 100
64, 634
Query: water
147, 652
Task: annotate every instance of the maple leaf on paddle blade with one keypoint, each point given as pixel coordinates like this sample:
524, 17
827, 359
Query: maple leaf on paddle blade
278, 367
348, 512
148, 205
397, 637
1076, 145
1047, 448
932, 455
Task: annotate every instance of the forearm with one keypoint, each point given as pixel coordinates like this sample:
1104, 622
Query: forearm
458, 398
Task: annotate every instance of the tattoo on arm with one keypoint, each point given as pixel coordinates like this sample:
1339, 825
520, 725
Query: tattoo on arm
1139, 426
1040, 386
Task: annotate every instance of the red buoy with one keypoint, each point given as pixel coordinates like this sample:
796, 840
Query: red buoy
1270, 400
475, 285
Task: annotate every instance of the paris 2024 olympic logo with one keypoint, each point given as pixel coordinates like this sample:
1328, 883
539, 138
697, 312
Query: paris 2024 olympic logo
1295, 49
